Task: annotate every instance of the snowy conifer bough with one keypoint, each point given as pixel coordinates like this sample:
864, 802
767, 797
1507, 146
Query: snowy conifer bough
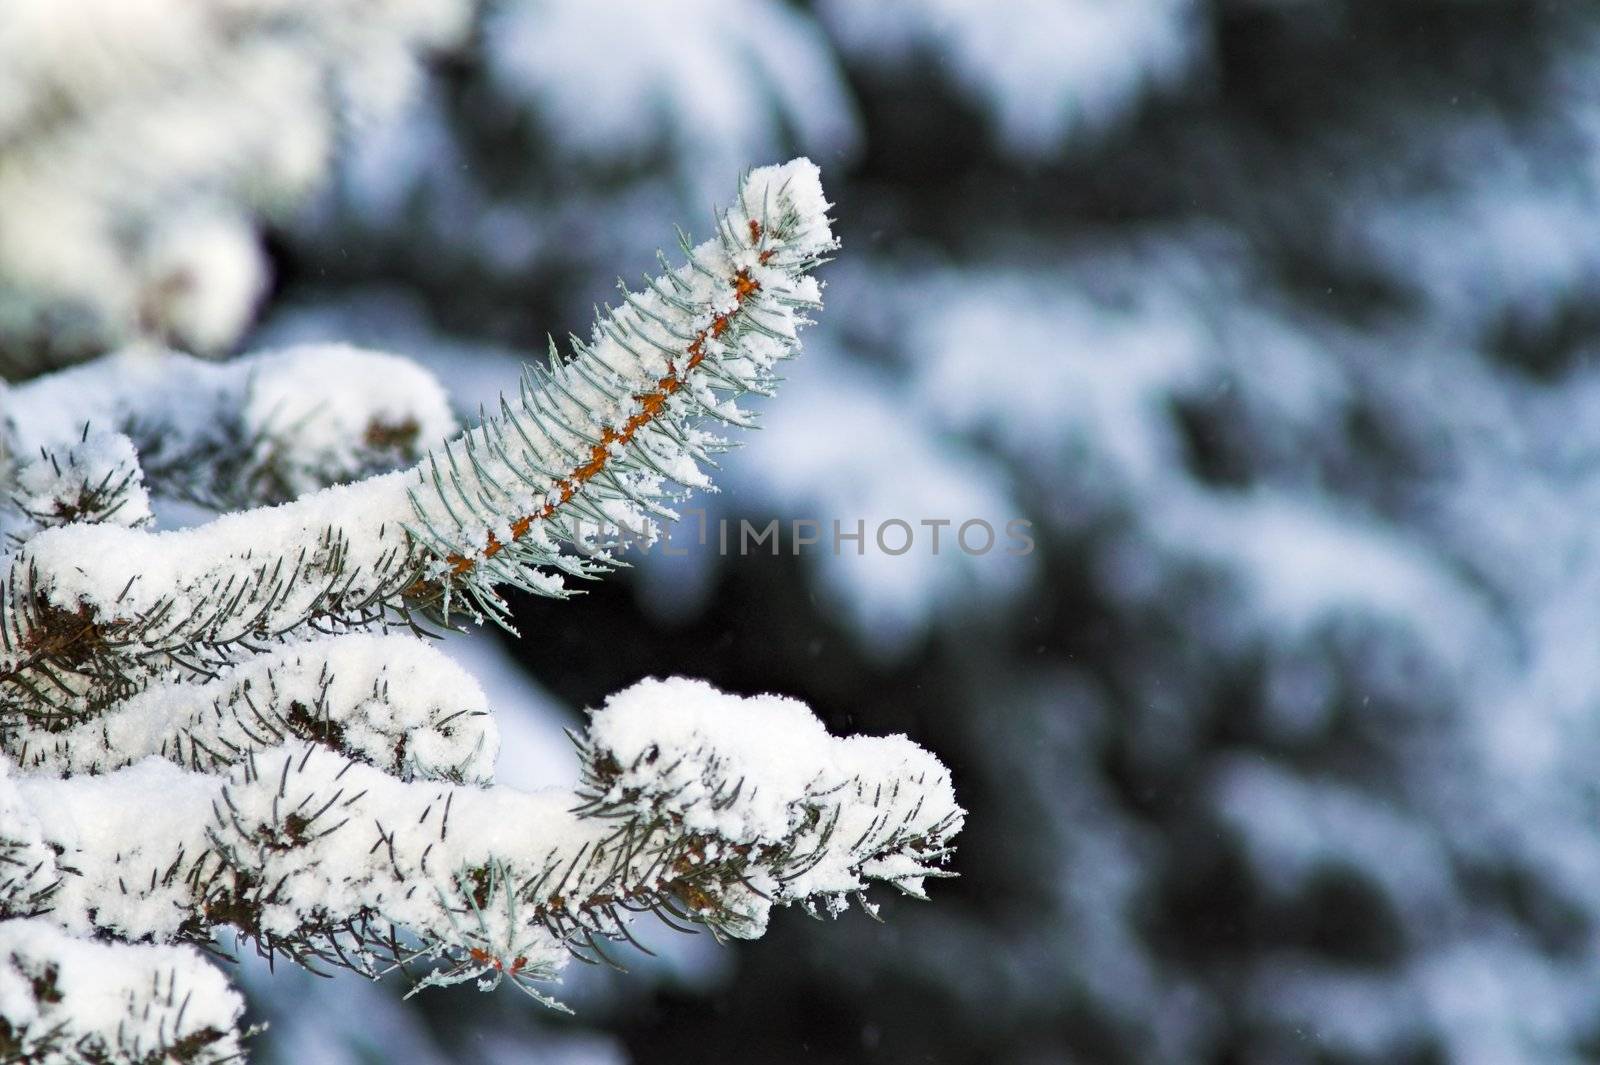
233, 726
144, 140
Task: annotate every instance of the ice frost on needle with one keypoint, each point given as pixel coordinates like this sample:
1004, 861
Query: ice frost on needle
606, 439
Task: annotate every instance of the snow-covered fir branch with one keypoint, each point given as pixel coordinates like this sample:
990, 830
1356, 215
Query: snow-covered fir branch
389, 700
142, 142
266, 427
77, 1002
702, 807
231, 727
605, 438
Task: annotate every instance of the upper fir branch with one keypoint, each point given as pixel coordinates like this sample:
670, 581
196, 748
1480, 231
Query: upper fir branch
604, 440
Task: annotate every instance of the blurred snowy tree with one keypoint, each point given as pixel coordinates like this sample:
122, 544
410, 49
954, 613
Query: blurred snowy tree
138, 141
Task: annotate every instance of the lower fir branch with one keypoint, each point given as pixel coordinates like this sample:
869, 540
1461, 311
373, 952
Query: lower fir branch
75, 1002
392, 701
704, 808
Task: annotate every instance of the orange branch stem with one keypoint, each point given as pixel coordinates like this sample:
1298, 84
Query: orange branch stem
651, 404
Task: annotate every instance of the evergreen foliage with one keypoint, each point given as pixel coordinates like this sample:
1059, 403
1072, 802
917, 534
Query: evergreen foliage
239, 727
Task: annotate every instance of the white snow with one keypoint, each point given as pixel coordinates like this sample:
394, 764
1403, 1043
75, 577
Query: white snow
130, 836
395, 701
110, 1001
1049, 71
96, 479
143, 139
749, 770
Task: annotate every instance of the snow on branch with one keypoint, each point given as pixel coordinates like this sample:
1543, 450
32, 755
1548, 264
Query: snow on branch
97, 479
68, 1000
706, 808
605, 438
28, 873
392, 701
264, 428
217, 728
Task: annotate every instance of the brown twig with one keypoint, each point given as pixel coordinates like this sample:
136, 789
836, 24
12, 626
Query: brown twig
650, 405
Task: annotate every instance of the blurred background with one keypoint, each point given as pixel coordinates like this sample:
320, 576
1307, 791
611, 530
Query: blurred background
1276, 319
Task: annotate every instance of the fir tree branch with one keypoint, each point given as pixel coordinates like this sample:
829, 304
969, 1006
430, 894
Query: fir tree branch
74, 1002
602, 441
702, 807
260, 429
195, 758
392, 701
